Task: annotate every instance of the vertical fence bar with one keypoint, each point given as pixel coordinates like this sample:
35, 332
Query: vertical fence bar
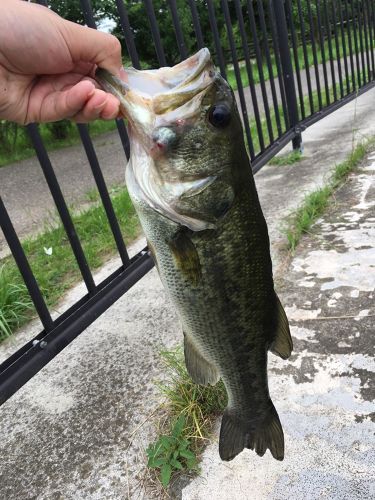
196, 23
356, 48
219, 50
259, 59
269, 65
365, 25
90, 21
155, 32
330, 51
123, 136
93, 160
62, 209
276, 51
286, 62
128, 34
305, 56
337, 46
177, 29
24, 268
322, 51
349, 31
343, 39
315, 56
371, 27
224, 6
249, 74
361, 42
290, 22
103, 191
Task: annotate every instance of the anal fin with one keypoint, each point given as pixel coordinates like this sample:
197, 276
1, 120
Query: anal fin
282, 344
200, 370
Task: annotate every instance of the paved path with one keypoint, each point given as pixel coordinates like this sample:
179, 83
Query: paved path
79, 429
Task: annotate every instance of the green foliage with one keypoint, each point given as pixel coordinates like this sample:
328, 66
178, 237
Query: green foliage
15, 303
197, 403
57, 270
21, 148
288, 159
60, 130
172, 453
191, 409
8, 135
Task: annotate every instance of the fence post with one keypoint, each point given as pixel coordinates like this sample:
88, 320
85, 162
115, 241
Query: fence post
288, 73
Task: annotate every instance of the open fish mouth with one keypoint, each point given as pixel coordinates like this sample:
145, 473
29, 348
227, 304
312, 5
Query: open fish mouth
160, 106
149, 98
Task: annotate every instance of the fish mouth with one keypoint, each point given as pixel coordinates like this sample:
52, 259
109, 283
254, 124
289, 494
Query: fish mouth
159, 105
149, 96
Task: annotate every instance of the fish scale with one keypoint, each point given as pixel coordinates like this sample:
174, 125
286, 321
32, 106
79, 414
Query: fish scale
210, 243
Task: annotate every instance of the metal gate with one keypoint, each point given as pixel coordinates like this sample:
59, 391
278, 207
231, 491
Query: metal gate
293, 62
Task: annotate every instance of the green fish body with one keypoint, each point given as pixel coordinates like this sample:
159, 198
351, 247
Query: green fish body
190, 179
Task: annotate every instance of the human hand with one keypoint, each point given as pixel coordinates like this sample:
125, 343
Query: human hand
47, 66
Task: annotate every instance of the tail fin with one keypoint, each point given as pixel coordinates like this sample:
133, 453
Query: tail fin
235, 435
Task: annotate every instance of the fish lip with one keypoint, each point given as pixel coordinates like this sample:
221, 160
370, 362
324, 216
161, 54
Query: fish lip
188, 78
111, 83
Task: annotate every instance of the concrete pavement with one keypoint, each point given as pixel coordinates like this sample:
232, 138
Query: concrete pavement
78, 430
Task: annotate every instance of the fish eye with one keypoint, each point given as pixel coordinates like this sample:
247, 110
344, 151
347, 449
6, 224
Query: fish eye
219, 115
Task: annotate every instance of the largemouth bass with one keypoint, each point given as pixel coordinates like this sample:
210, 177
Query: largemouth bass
190, 180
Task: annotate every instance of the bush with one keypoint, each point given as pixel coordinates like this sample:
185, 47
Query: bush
59, 130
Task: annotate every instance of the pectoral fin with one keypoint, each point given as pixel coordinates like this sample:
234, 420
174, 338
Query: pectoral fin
282, 344
200, 370
186, 257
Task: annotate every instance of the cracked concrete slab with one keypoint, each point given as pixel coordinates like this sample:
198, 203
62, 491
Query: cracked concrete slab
78, 430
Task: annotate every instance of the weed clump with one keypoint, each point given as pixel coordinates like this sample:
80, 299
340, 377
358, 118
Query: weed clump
191, 412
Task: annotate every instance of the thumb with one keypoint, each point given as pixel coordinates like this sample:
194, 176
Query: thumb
89, 45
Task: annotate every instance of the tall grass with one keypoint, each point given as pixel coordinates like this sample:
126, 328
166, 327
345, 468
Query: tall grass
56, 273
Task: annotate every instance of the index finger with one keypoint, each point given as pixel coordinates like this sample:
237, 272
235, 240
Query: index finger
90, 45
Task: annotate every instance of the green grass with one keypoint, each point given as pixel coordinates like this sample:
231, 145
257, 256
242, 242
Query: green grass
197, 404
316, 202
22, 148
57, 273
287, 159
301, 60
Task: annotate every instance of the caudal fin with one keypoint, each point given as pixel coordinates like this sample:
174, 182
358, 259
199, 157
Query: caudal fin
236, 434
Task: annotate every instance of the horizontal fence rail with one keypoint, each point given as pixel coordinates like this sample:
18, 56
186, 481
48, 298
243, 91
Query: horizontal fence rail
290, 62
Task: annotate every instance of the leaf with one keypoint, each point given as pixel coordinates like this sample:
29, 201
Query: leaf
191, 463
166, 441
165, 474
187, 454
159, 462
178, 426
176, 464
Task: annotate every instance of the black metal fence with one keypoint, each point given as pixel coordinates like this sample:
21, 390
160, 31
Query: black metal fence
291, 62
